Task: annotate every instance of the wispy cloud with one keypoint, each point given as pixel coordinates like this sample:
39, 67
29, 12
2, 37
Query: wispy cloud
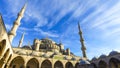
47, 33
100, 18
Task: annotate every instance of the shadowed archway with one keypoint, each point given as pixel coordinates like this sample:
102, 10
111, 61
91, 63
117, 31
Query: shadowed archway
58, 64
33, 63
77, 65
17, 62
114, 63
46, 64
68, 65
102, 64
94, 65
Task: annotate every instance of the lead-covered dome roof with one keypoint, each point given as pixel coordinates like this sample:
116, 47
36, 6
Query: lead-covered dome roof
21, 52
84, 62
113, 53
94, 58
102, 56
27, 47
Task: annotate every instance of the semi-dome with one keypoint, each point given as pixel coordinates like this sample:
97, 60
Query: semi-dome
66, 58
73, 58
34, 54
21, 52
83, 62
113, 53
94, 58
56, 53
46, 40
102, 56
47, 43
46, 55
27, 47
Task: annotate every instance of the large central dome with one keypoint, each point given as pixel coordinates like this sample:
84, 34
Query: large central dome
46, 44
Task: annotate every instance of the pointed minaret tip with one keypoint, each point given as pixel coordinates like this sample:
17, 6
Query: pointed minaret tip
29, 45
16, 24
21, 40
0, 14
25, 5
79, 27
23, 8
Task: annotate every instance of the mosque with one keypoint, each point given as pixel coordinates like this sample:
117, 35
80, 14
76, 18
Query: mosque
46, 53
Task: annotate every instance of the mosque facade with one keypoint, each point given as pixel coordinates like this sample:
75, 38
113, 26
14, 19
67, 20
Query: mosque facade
46, 53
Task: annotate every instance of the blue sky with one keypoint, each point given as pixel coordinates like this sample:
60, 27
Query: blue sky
57, 19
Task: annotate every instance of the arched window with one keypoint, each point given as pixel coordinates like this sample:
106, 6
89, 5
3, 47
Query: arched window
6, 55
2, 47
9, 58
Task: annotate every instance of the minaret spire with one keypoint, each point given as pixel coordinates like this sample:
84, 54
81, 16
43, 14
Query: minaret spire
83, 48
21, 40
16, 24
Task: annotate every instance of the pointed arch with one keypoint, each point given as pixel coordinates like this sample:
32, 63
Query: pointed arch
17, 62
68, 65
94, 65
77, 65
114, 63
46, 64
33, 63
102, 64
58, 64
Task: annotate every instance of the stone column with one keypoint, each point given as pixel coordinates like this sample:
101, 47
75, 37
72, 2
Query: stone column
37, 47
25, 65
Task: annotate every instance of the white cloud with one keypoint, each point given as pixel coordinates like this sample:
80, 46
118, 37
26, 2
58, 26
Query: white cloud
103, 18
103, 15
49, 34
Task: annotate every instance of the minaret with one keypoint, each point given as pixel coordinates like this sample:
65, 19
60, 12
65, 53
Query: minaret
16, 24
83, 48
21, 40
29, 45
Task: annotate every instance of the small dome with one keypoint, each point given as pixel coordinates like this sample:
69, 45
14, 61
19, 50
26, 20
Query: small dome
113, 53
27, 47
21, 52
73, 58
34, 54
102, 56
66, 58
94, 58
84, 62
46, 55
56, 53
